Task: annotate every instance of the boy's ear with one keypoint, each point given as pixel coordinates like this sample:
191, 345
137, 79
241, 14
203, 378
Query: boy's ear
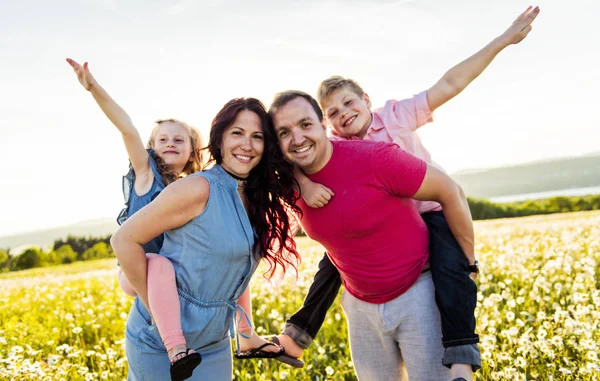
367, 100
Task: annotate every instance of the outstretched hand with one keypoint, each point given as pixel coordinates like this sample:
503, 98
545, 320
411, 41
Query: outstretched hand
83, 74
521, 27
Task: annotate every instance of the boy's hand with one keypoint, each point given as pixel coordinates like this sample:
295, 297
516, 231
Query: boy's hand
316, 195
521, 27
83, 74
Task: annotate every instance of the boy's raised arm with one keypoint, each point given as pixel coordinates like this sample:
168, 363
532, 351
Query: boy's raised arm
460, 76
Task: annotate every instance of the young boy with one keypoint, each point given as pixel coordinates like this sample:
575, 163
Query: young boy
346, 108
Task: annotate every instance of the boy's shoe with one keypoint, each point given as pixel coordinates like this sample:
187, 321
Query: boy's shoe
459, 379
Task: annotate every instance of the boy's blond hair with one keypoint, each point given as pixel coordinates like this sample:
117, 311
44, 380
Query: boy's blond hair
334, 83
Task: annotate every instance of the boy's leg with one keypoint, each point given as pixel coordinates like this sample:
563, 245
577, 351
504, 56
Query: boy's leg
455, 293
164, 302
303, 326
375, 352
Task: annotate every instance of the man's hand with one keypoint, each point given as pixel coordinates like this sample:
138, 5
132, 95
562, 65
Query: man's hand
83, 74
521, 27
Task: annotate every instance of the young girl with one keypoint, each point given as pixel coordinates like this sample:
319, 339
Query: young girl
173, 151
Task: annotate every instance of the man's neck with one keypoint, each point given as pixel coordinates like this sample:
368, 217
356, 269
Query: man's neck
320, 163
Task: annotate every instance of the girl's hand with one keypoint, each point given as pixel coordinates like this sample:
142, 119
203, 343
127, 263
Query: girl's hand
83, 74
521, 27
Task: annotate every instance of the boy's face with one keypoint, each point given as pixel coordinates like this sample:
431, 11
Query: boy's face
347, 113
302, 136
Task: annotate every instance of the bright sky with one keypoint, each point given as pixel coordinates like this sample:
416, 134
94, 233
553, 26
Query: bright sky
62, 160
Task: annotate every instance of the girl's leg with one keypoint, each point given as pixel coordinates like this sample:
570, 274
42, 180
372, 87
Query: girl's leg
125, 285
164, 304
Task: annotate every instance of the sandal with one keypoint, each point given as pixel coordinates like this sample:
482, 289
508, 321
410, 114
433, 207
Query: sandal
258, 353
184, 367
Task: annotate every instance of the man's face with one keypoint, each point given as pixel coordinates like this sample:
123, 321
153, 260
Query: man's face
302, 136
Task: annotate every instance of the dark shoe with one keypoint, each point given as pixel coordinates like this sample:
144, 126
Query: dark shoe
258, 353
183, 368
459, 379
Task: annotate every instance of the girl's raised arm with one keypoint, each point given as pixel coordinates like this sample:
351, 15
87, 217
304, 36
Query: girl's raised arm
131, 137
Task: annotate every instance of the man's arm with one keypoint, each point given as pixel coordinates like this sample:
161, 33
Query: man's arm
438, 186
460, 76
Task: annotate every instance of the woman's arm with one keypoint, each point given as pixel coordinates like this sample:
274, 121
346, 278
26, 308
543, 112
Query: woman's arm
175, 206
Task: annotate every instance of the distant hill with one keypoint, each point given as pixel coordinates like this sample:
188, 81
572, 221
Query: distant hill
539, 176
46, 237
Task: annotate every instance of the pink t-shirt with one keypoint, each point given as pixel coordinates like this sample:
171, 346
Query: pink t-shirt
371, 229
397, 123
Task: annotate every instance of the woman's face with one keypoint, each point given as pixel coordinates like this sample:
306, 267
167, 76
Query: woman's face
243, 144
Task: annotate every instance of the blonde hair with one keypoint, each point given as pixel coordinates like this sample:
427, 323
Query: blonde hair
196, 154
334, 83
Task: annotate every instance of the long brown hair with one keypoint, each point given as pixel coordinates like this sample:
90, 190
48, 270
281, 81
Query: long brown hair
269, 188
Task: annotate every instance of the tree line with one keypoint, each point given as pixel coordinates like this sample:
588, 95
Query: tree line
63, 251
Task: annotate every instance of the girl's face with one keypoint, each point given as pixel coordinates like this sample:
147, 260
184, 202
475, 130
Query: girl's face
243, 144
172, 143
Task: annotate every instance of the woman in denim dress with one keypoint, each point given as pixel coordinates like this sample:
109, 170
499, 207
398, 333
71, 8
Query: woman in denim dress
218, 224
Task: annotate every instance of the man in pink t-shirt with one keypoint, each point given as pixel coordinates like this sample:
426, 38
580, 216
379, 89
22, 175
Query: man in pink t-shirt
376, 238
348, 112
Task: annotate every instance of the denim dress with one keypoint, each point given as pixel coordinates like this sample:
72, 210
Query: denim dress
214, 260
133, 202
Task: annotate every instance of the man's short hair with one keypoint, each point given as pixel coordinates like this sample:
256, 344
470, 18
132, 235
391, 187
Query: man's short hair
284, 97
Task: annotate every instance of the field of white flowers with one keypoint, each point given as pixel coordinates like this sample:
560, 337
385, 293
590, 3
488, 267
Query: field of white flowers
538, 314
